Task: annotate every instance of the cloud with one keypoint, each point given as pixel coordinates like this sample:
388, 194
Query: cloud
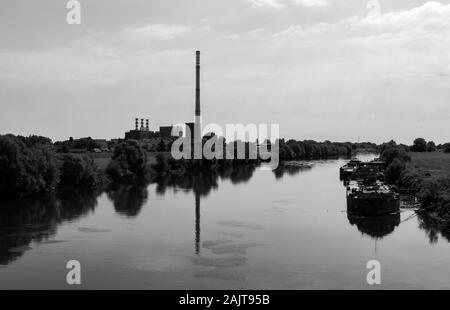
280, 4
261, 4
430, 14
310, 3
158, 32
357, 67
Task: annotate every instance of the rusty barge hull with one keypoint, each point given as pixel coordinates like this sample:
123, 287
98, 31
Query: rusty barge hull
373, 206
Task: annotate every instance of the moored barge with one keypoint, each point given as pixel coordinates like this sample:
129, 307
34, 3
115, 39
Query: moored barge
375, 198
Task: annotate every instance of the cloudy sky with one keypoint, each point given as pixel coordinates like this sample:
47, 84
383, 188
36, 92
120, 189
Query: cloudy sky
322, 69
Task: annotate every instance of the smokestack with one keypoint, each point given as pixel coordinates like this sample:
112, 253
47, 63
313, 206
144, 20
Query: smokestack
197, 85
197, 141
136, 123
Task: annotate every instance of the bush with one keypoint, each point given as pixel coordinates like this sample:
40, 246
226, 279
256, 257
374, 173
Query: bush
79, 171
390, 153
394, 170
128, 162
83, 143
429, 194
431, 146
161, 147
161, 167
446, 148
420, 145
27, 166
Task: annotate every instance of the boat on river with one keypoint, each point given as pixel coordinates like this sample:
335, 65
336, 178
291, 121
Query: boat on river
349, 168
371, 197
356, 169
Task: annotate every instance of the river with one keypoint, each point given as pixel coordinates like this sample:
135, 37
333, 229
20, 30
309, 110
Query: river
246, 229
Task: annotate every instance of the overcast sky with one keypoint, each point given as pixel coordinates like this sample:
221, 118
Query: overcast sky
322, 69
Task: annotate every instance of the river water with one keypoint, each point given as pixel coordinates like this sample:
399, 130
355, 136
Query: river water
245, 229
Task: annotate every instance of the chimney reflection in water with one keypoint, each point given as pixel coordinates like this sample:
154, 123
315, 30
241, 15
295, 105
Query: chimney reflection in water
197, 223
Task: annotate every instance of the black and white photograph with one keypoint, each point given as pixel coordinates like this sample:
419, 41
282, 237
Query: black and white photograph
224, 145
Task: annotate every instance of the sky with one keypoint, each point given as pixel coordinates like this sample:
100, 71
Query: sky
321, 69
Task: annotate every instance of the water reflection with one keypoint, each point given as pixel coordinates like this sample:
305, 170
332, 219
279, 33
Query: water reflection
128, 199
197, 224
36, 220
433, 227
290, 169
376, 227
201, 183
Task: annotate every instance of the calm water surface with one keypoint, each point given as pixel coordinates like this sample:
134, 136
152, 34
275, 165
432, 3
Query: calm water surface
248, 229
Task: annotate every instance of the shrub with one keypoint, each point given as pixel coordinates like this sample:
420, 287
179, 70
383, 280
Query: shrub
446, 148
128, 162
27, 166
161, 166
420, 145
431, 146
394, 170
161, 147
392, 152
429, 194
79, 171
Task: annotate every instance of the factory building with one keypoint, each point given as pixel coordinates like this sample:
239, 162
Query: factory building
142, 131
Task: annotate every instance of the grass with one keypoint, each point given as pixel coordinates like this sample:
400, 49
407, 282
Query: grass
430, 166
428, 175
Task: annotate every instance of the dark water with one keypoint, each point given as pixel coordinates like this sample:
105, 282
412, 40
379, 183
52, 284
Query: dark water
245, 228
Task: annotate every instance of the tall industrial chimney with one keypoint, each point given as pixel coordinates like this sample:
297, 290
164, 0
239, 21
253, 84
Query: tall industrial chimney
197, 86
197, 141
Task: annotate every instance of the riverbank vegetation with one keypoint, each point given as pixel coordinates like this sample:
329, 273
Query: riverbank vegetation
28, 166
309, 149
423, 173
428, 177
33, 165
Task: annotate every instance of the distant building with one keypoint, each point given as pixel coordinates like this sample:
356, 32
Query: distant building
147, 137
165, 131
143, 132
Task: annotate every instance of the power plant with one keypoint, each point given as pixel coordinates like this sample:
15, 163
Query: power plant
142, 133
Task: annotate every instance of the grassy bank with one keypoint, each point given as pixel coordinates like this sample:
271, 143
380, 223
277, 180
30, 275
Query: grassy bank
430, 166
427, 176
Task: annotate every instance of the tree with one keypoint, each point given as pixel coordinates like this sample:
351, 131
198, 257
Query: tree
420, 145
390, 153
128, 162
161, 166
394, 170
161, 147
431, 146
27, 166
80, 172
446, 148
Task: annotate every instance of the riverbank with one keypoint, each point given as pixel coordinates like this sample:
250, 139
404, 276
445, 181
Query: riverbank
427, 176
102, 160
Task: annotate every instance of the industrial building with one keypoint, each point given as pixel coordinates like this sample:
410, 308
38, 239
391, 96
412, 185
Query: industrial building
142, 130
